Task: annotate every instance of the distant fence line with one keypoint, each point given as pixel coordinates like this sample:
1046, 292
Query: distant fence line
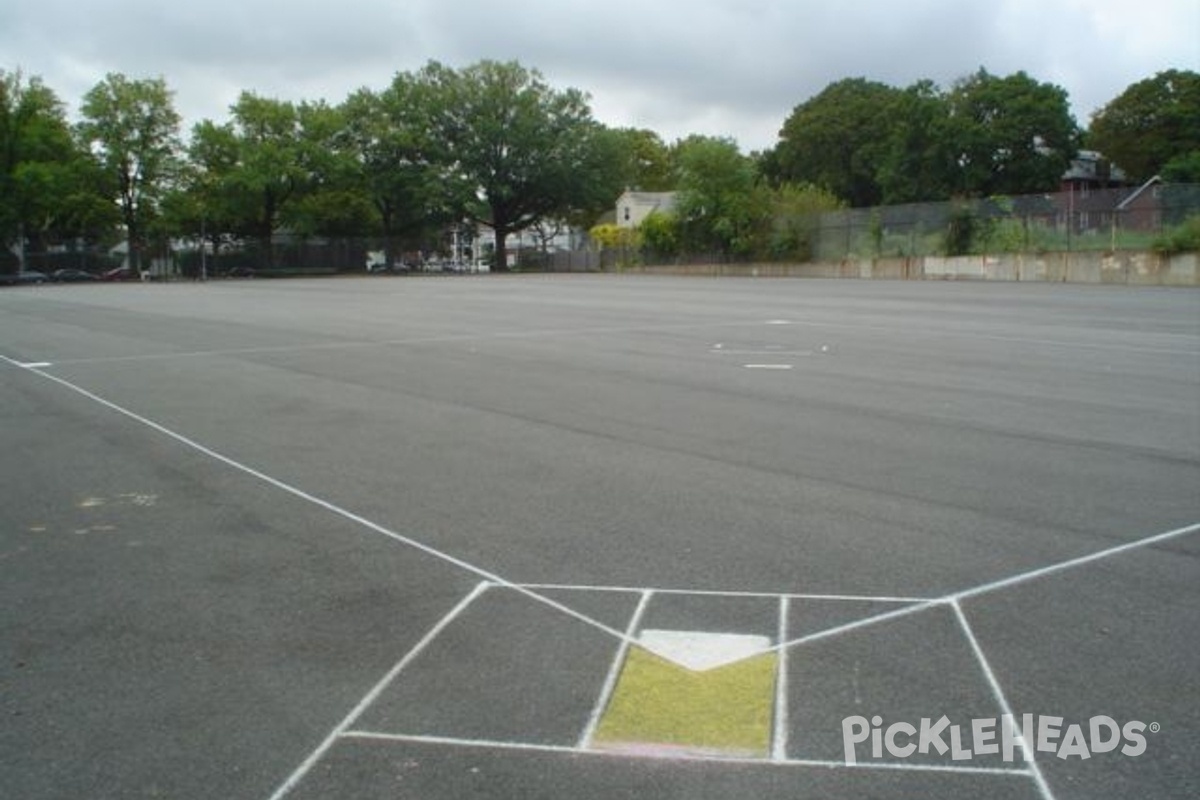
1096, 220
1110, 220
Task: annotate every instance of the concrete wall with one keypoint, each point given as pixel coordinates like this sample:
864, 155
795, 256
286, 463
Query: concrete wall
1124, 268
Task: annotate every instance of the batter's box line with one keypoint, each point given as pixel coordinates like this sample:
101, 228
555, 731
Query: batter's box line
345, 730
530, 747
583, 587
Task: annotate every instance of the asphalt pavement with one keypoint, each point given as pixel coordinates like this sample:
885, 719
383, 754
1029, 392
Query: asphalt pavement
395, 537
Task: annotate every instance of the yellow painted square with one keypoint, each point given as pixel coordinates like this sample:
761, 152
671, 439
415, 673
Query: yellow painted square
722, 711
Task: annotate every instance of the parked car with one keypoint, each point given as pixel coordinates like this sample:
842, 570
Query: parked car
71, 276
117, 274
26, 277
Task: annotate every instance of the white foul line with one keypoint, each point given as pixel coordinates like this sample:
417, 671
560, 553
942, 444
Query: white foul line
1026, 746
779, 740
371, 696
993, 586
493, 744
333, 508
1074, 562
490, 578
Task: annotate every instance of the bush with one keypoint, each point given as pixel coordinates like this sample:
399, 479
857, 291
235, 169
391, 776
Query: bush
1183, 238
961, 230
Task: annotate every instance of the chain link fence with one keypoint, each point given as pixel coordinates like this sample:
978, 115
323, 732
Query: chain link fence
1075, 221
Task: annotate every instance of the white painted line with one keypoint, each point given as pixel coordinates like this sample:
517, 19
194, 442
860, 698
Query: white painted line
768, 366
1041, 572
762, 352
779, 740
1030, 759
33, 364
701, 651
683, 756
778, 322
333, 508
371, 696
874, 619
993, 586
614, 671
594, 587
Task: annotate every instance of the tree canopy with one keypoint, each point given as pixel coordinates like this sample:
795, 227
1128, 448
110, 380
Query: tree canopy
869, 143
496, 143
132, 128
1151, 123
517, 144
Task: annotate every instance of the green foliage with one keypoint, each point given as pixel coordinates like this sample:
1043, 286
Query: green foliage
837, 139
1183, 168
643, 161
1152, 122
870, 144
132, 129
516, 142
1183, 238
1009, 135
795, 210
660, 234
917, 164
961, 231
613, 237
50, 190
721, 207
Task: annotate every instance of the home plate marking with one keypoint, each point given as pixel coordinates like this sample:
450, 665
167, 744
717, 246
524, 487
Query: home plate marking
701, 651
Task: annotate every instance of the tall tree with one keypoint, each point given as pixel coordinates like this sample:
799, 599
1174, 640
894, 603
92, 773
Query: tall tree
515, 140
917, 164
132, 129
720, 205
49, 190
269, 168
1009, 135
1150, 123
389, 134
643, 160
837, 139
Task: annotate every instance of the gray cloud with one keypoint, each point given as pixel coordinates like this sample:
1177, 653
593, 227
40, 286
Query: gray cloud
718, 67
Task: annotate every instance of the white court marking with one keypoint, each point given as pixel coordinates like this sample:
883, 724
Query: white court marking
489, 577
777, 758
701, 651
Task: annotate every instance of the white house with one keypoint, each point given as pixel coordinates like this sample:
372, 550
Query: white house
633, 207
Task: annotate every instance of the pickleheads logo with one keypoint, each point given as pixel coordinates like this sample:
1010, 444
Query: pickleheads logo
1002, 736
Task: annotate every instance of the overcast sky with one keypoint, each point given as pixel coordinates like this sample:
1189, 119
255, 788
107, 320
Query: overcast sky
718, 67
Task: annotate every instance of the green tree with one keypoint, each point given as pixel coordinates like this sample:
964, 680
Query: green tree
50, 191
643, 161
721, 206
1150, 123
1008, 135
132, 129
209, 203
517, 142
837, 139
660, 234
333, 200
269, 170
795, 218
917, 165
388, 133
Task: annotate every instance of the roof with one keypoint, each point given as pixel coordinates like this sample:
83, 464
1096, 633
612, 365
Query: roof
1138, 192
